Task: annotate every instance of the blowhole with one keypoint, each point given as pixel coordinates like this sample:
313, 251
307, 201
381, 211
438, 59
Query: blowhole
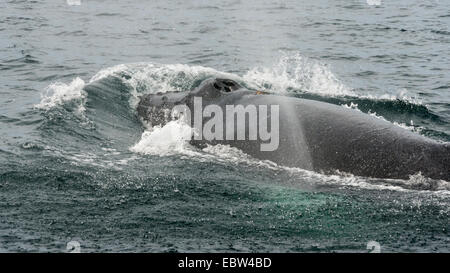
228, 83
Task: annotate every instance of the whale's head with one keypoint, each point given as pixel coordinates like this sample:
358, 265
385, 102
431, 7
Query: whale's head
211, 88
157, 108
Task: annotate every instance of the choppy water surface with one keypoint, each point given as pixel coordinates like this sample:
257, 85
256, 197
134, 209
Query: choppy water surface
77, 164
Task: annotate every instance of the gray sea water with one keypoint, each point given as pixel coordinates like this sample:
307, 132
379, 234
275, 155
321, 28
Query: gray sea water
76, 164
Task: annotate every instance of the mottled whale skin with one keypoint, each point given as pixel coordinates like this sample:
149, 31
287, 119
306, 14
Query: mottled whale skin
315, 135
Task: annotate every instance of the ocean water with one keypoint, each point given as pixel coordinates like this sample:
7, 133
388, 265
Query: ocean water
76, 164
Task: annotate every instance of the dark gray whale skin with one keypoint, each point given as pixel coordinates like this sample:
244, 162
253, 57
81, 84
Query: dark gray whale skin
315, 135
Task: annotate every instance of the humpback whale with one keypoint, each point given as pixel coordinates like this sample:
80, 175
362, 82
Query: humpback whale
313, 135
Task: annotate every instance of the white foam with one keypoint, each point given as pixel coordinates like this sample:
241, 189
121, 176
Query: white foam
401, 95
291, 72
418, 181
170, 139
105, 161
150, 78
300, 73
352, 105
108, 72
58, 93
412, 128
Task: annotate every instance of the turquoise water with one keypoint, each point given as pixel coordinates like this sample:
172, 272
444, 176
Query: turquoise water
76, 164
